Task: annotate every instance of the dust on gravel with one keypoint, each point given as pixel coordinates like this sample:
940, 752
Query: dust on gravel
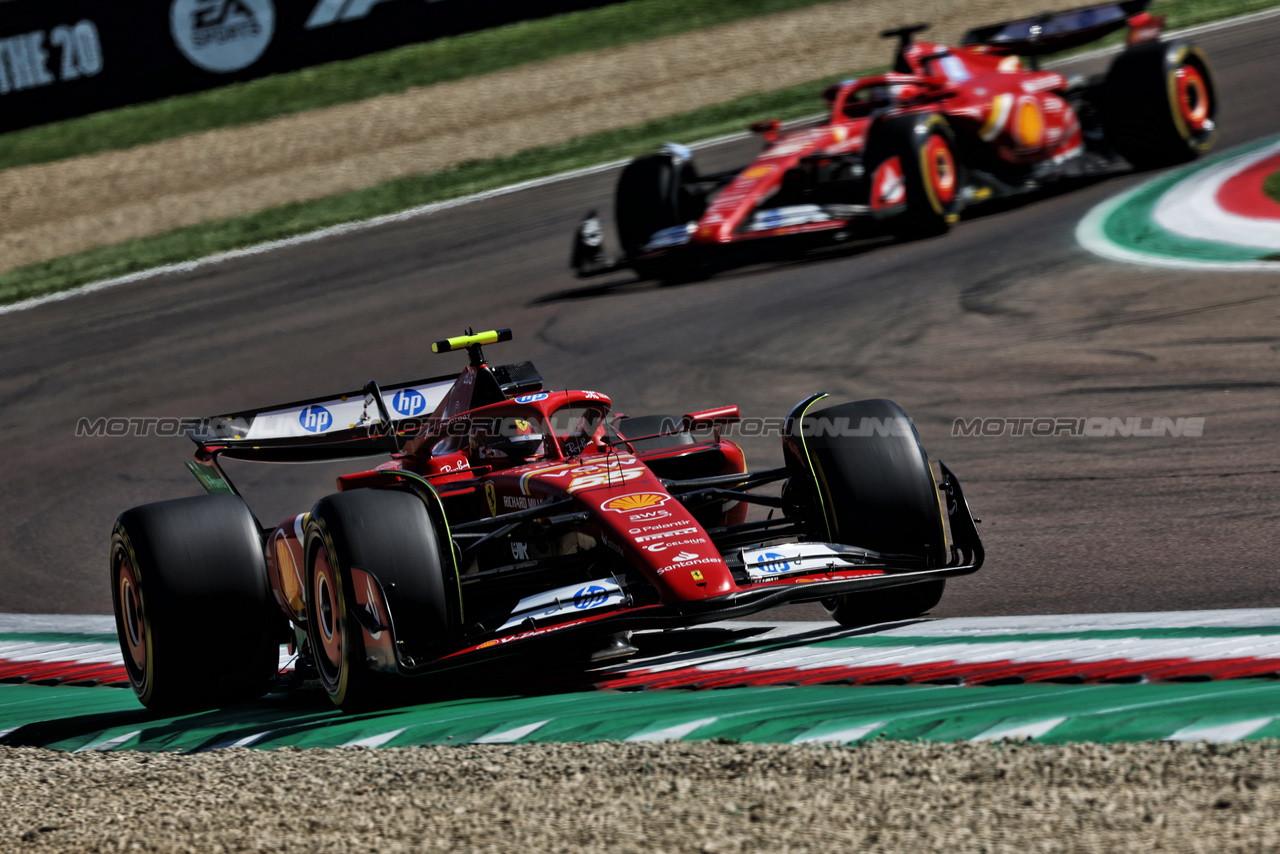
650, 798
68, 206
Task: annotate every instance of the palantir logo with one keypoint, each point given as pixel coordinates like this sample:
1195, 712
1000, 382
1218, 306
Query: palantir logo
408, 402
222, 35
315, 419
591, 596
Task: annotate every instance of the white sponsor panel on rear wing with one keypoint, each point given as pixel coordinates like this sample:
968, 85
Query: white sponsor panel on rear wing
341, 412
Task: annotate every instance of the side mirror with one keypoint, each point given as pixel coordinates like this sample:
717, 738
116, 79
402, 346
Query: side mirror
767, 129
718, 417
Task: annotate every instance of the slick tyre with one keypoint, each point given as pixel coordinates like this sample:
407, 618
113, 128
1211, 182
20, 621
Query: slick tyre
1159, 104
871, 486
197, 623
390, 535
885, 606
654, 193
916, 178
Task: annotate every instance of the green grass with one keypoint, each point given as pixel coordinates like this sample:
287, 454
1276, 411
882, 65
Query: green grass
465, 178
379, 74
1272, 186
470, 177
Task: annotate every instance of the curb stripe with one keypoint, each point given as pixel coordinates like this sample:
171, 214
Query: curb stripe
1126, 227
1223, 733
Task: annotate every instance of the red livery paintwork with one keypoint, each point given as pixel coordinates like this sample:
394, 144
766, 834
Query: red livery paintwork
506, 513
905, 152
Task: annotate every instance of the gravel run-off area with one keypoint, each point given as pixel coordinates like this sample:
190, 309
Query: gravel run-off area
651, 798
68, 206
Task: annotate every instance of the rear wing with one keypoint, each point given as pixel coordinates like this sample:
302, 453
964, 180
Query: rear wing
1051, 32
355, 424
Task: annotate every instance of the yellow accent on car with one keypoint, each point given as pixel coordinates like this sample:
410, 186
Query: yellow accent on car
462, 342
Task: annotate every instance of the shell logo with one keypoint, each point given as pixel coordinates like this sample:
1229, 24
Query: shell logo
635, 501
758, 171
1028, 126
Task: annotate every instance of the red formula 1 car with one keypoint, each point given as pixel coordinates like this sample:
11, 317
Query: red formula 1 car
904, 152
508, 516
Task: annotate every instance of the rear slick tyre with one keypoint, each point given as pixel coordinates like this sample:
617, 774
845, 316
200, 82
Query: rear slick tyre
390, 535
1159, 104
198, 626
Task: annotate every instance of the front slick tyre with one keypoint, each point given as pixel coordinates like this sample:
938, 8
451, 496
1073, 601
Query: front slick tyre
390, 535
917, 179
879, 493
885, 606
194, 613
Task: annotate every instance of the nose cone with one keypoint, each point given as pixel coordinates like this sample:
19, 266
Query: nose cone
655, 533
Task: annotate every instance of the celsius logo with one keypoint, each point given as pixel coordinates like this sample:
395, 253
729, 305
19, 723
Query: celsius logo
591, 596
222, 35
408, 402
315, 419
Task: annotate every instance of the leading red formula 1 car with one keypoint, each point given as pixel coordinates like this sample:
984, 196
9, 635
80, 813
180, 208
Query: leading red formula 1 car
904, 152
509, 514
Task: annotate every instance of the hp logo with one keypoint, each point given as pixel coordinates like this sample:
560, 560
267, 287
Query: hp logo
590, 597
315, 419
766, 563
408, 402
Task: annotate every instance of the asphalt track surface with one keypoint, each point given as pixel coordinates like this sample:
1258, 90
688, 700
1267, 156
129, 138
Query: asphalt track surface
1005, 316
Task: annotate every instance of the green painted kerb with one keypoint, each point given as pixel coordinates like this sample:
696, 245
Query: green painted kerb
104, 719
1129, 223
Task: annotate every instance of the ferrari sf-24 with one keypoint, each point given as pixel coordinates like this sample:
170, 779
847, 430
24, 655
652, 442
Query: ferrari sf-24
904, 152
507, 515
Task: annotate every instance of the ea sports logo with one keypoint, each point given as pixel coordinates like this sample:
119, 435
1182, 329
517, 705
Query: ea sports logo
408, 402
590, 597
315, 419
222, 35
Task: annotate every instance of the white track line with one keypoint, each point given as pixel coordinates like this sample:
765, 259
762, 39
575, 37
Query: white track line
1018, 732
1221, 734
672, 733
428, 210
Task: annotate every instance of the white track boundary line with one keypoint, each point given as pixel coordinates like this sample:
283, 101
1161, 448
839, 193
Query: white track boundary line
437, 207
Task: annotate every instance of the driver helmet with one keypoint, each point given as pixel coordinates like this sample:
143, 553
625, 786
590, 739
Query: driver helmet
506, 441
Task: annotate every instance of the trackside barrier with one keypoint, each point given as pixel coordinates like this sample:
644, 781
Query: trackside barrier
66, 58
